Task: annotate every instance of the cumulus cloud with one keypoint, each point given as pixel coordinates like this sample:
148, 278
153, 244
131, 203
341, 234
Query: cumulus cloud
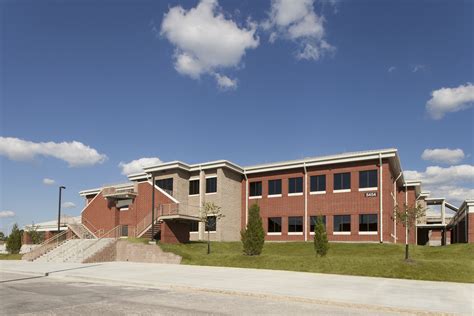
207, 42
137, 165
446, 100
392, 69
7, 214
48, 181
417, 68
443, 155
298, 21
68, 205
76, 154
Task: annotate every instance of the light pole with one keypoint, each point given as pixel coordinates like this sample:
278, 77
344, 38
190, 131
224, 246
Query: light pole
59, 208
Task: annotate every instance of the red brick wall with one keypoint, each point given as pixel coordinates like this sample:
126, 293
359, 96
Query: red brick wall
470, 228
173, 232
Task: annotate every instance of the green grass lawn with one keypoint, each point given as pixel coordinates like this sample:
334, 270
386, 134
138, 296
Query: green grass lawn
450, 263
10, 257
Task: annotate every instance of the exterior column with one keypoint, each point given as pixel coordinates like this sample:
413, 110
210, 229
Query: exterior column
202, 192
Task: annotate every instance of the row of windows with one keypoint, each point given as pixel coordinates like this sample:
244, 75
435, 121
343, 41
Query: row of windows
341, 223
342, 181
167, 185
211, 225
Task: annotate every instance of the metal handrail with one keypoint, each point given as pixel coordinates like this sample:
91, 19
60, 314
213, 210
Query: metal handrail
112, 231
93, 227
45, 247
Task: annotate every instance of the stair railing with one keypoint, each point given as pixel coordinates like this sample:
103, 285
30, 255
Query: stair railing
114, 233
46, 246
95, 231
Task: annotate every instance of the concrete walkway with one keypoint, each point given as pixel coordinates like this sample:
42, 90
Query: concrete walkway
376, 293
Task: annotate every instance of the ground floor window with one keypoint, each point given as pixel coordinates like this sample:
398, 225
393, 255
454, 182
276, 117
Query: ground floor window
368, 223
194, 226
295, 224
124, 231
342, 223
211, 224
274, 224
312, 222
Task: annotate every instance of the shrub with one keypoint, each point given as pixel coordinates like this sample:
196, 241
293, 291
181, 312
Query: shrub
321, 244
253, 236
14, 240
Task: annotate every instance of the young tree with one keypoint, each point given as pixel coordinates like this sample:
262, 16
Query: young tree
14, 240
2, 236
253, 236
211, 213
407, 216
321, 244
36, 236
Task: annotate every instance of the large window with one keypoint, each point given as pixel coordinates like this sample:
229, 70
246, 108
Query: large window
165, 184
274, 187
211, 224
256, 188
318, 183
368, 179
295, 185
342, 223
124, 231
342, 181
194, 187
313, 220
368, 223
211, 185
194, 227
295, 224
274, 224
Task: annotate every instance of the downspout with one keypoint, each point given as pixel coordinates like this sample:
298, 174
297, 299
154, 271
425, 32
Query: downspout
202, 188
406, 211
381, 196
305, 230
246, 199
395, 205
416, 223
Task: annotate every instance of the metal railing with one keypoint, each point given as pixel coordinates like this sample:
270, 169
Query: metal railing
115, 233
46, 246
88, 225
145, 223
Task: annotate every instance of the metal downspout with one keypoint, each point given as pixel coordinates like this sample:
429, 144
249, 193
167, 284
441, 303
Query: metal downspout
395, 203
305, 230
406, 212
381, 196
246, 199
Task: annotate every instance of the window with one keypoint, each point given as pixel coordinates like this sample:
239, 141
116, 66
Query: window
274, 187
211, 185
295, 185
165, 184
368, 222
342, 181
194, 227
342, 223
312, 222
256, 188
295, 224
211, 224
124, 231
123, 205
318, 183
274, 224
193, 187
368, 179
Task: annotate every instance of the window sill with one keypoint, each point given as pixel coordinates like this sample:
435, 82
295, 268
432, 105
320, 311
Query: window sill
341, 233
295, 233
255, 197
194, 232
295, 194
368, 189
368, 233
317, 192
211, 193
274, 196
274, 234
193, 195
211, 232
342, 191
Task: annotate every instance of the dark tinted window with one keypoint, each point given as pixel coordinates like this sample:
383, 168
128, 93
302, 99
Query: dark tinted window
274, 187
368, 222
342, 223
194, 226
312, 222
193, 187
295, 224
255, 188
368, 179
342, 181
211, 223
211, 185
318, 183
166, 184
274, 224
295, 185
124, 230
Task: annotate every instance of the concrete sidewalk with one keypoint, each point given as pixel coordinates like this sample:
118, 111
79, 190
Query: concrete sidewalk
377, 293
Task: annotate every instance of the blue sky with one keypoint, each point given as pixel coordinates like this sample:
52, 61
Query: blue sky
109, 75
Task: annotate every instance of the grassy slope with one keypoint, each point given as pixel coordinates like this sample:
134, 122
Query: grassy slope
10, 257
451, 263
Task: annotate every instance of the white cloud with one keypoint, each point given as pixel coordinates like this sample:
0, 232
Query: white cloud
392, 69
76, 154
137, 165
417, 68
48, 181
447, 100
225, 82
6, 214
206, 41
443, 155
297, 21
68, 205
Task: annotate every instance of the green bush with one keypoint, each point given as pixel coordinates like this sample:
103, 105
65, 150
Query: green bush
321, 244
14, 240
253, 236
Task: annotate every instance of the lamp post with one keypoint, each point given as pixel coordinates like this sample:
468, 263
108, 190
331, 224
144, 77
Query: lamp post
59, 208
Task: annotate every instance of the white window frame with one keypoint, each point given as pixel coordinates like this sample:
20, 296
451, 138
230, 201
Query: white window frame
317, 192
368, 233
295, 233
274, 195
342, 191
274, 234
341, 233
255, 197
368, 189
295, 194
210, 193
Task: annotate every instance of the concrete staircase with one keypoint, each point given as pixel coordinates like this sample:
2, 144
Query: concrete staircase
147, 233
75, 250
81, 231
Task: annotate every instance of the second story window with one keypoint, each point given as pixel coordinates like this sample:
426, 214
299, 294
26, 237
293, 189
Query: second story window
194, 187
255, 188
318, 183
368, 179
211, 185
295, 185
342, 181
165, 184
274, 187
